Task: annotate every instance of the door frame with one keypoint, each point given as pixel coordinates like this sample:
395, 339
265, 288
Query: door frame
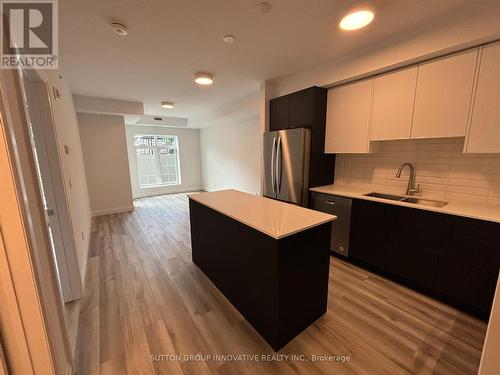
33, 331
66, 257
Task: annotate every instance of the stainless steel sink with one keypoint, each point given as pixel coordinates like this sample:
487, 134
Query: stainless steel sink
425, 202
413, 200
386, 196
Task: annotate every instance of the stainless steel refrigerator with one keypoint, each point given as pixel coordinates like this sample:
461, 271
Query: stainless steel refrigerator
286, 165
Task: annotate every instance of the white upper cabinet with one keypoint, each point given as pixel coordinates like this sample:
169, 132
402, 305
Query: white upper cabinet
484, 131
443, 96
393, 100
348, 118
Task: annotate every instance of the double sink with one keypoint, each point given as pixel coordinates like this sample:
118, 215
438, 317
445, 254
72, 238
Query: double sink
406, 199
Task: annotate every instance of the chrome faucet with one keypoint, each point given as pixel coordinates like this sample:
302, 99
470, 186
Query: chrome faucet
411, 189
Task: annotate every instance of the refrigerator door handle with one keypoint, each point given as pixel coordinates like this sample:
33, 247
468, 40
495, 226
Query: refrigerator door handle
273, 165
278, 165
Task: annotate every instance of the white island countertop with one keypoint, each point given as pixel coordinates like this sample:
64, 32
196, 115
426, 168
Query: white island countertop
274, 218
473, 210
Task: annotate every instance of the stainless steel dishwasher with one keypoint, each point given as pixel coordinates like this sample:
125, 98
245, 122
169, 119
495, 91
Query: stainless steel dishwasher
340, 207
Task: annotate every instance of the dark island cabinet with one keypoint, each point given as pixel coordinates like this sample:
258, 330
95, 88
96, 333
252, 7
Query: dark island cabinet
454, 259
469, 262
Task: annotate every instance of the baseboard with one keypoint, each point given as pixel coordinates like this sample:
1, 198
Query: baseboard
172, 191
114, 210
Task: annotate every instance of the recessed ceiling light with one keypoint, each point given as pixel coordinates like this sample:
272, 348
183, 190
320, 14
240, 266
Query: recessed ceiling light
357, 19
202, 78
229, 38
167, 105
119, 28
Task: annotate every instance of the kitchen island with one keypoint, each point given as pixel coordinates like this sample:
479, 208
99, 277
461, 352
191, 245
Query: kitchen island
270, 259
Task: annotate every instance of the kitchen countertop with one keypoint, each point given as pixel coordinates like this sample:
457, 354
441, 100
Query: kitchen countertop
274, 218
481, 211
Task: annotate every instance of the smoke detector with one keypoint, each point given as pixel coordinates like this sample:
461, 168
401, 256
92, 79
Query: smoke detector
263, 7
119, 28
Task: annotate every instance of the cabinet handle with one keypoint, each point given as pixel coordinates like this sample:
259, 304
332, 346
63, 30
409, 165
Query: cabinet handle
331, 203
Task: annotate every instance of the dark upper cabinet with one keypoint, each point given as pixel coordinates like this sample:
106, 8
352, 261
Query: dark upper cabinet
302, 108
306, 109
469, 261
414, 242
368, 233
279, 111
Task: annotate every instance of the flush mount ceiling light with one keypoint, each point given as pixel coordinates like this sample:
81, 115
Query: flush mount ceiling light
119, 28
167, 105
203, 78
229, 38
263, 7
357, 18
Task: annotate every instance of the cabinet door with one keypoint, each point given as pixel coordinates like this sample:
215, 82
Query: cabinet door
348, 118
302, 108
443, 97
484, 133
279, 110
369, 233
415, 241
393, 100
469, 262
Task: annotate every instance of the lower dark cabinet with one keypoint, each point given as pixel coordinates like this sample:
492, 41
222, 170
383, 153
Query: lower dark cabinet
469, 261
451, 258
368, 234
415, 238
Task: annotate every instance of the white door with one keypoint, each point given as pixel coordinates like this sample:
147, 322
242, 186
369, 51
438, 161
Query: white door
38, 112
3, 362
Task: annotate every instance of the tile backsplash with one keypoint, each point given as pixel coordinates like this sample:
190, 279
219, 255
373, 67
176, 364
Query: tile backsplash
442, 170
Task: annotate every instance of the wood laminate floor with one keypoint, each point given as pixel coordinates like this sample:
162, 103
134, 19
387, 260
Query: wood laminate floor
145, 297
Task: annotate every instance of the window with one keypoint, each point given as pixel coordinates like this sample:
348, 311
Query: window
157, 160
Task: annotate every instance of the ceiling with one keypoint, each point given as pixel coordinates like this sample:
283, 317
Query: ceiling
170, 40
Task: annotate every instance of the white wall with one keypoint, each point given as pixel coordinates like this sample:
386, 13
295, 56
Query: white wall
230, 157
73, 170
106, 163
189, 155
457, 31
